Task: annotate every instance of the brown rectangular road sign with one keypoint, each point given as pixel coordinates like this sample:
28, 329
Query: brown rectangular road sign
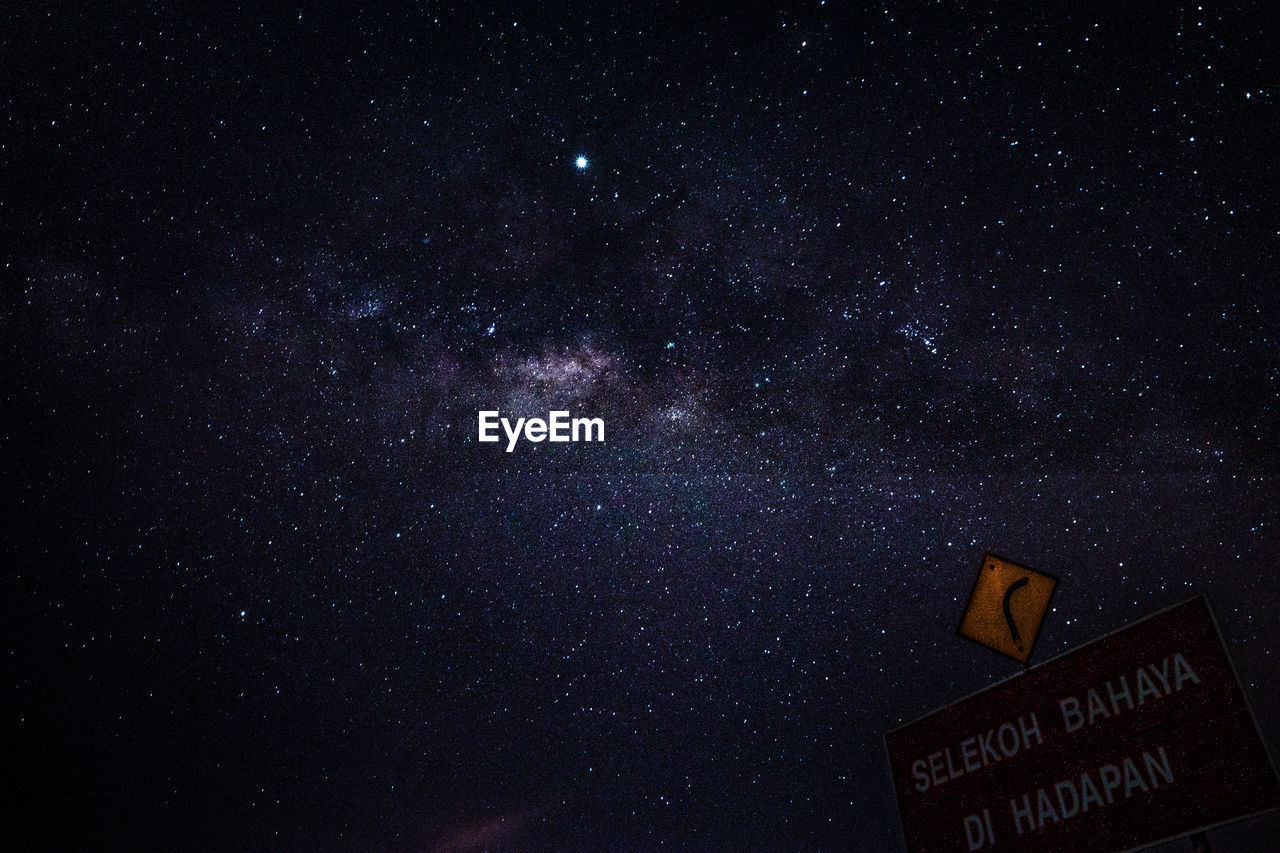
1136, 737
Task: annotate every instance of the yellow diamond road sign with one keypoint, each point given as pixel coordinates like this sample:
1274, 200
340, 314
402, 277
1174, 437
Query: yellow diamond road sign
1006, 607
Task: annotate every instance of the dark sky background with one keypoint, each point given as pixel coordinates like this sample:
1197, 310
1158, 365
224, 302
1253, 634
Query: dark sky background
861, 292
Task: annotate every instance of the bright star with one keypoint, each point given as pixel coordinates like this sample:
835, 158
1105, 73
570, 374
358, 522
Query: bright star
582, 162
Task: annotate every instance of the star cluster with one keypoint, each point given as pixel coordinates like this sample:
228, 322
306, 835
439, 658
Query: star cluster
860, 293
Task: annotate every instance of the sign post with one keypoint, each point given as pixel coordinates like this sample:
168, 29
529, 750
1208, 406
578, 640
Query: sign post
1140, 736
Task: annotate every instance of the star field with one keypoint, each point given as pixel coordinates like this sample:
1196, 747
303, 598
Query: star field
860, 293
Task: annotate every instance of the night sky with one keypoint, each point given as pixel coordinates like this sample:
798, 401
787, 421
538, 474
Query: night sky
860, 292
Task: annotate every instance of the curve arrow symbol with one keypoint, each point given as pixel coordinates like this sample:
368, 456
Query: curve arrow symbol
1008, 616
